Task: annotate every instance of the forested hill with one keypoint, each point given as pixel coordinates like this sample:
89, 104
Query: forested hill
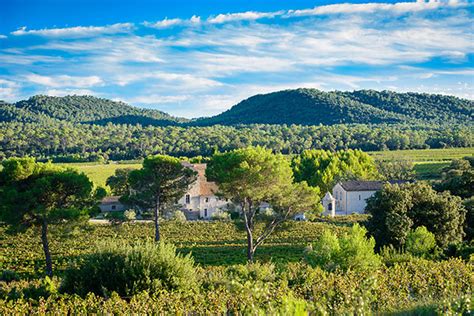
81, 109
313, 107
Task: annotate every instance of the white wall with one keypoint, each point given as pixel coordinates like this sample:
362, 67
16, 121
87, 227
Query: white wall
349, 202
357, 201
201, 203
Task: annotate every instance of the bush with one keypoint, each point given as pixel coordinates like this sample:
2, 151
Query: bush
128, 270
220, 216
351, 251
179, 216
9, 276
130, 215
420, 242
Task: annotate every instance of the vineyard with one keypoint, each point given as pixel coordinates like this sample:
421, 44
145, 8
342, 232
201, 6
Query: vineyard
280, 284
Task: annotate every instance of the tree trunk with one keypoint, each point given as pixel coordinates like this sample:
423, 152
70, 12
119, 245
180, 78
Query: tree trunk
156, 216
250, 249
47, 254
248, 228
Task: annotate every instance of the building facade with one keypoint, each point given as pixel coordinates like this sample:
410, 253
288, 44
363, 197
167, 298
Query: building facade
351, 196
201, 201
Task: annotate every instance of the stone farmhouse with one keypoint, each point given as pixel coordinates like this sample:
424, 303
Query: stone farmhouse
201, 200
349, 197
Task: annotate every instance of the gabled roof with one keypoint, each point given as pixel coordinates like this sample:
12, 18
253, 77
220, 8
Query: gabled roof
206, 188
110, 200
328, 197
355, 185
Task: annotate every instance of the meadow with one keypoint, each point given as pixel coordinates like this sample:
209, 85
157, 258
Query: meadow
428, 162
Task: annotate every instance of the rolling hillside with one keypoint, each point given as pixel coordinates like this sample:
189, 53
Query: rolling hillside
314, 107
82, 109
300, 106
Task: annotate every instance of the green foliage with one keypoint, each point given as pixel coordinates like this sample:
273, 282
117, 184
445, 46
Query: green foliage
320, 168
179, 216
119, 182
221, 216
128, 270
420, 242
458, 178
396, 170
285, 287
351, 251
83, 109
313, 107
37, 194
397, 209
9, 276
159, 184
254, 175
66, 141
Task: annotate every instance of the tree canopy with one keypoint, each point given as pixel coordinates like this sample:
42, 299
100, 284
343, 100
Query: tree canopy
158, 184
322, 168
37, 194
397, 209
254, 175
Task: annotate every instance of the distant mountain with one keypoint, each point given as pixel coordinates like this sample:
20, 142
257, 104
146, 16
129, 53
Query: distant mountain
82, 109
300, 106
313, 107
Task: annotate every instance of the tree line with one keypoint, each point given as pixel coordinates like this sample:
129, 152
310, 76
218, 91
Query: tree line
72, 142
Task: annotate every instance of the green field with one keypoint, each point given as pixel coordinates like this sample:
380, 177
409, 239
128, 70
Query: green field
428, 162
418, 155
99, 173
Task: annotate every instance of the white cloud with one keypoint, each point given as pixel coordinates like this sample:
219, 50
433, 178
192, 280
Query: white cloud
77, 31
3, 36
64, 81
9, 90
166, 23
353, 8
64, 92
174, 80
158, 99
241, 16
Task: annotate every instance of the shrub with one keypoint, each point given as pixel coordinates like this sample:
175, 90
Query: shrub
220, 216
9, 276
129, 270
179, 216
351, 251
130, 215
420, 242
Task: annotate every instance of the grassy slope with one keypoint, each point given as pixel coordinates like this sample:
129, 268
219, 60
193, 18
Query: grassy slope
428, 162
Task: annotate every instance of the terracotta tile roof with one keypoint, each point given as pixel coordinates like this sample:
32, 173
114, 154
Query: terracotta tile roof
206, 188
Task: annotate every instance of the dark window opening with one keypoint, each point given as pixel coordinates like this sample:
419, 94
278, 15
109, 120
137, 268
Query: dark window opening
188, 199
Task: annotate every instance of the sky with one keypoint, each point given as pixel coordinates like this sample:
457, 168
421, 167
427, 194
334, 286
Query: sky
198, 58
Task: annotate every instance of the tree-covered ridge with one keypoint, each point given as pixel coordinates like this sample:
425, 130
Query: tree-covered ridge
314, 107
82, 109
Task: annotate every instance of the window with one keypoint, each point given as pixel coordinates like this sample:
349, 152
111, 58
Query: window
205, 212
329, 207
113, 207
207, 199
188, 199
359, 197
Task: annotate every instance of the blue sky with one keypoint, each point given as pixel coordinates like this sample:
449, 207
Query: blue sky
198, 58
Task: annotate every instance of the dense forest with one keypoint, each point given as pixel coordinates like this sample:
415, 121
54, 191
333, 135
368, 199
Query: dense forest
313, 107
81, 109
85, 128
